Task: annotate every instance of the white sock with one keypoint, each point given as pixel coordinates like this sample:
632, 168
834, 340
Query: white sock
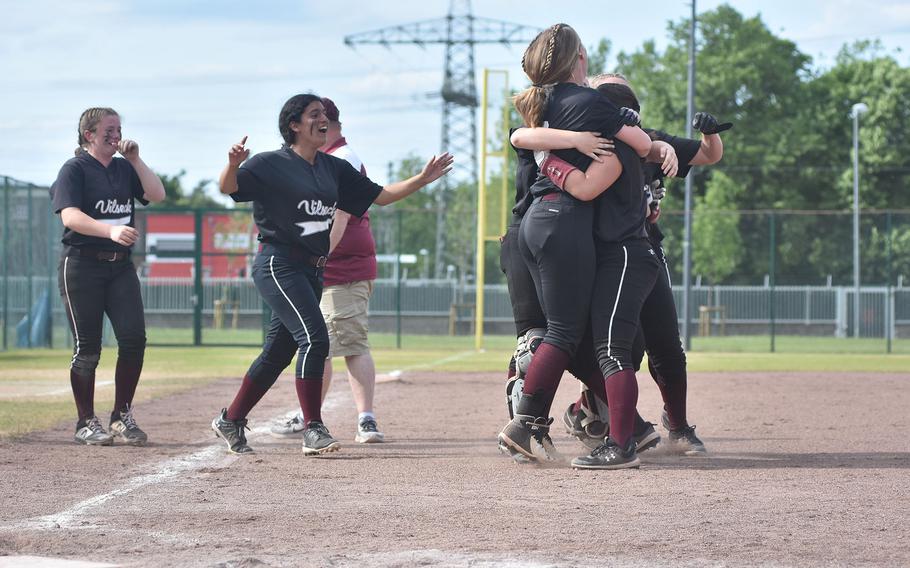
364, 415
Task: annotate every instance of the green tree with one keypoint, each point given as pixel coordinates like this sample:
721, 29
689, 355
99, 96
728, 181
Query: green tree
598, 56
177, 196
717, 245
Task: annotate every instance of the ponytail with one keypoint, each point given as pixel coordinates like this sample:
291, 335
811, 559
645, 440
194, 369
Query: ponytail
549, 59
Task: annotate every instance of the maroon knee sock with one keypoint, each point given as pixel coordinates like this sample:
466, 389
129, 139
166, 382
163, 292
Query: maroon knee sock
674, 396
309, 393
126, 377
84, 393
543, 377
622, 390
249, 394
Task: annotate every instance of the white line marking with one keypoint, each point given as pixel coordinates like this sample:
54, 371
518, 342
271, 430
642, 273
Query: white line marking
169, 469
42, 562
166, 471
55, 393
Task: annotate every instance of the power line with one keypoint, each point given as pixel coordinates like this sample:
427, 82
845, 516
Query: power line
459, 32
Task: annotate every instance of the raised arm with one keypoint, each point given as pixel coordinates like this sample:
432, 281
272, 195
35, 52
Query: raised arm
227, 181
435, 168
712, 147
152, 188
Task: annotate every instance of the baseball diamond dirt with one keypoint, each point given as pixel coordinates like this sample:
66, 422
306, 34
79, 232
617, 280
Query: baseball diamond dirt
804, 470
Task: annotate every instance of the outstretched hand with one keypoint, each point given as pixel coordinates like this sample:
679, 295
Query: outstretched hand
238, 154
706, 124
435, 168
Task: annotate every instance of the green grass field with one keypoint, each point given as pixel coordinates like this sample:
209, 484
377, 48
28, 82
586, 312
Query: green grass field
729, 344
34, 383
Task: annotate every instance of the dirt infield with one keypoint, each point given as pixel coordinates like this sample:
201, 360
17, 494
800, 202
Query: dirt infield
803, 470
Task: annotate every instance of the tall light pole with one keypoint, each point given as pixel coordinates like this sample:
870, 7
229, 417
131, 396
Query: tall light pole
687, 208
858, 109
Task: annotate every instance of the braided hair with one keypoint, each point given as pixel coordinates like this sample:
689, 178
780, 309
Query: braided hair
549, 59
89, 121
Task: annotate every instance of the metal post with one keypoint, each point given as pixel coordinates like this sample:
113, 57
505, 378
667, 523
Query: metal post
687, 237
772, 249
398, 282
889, 314
479, 265
856, 307
858, 109
50, 277
29, 269
5, 261
197, 278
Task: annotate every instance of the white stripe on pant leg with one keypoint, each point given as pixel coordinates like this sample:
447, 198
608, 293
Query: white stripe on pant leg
666, 267
622, 277
305, 330
69, 303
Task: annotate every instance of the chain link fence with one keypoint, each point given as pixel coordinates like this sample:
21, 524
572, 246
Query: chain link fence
764, 280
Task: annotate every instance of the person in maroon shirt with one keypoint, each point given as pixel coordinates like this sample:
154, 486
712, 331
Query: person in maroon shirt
348, 285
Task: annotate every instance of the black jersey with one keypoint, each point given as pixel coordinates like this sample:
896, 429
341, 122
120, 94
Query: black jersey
577, 108
621, 211
686, 149
105, 194
525, 174
294, 201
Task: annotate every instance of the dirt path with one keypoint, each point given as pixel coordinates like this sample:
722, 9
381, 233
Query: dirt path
804, 470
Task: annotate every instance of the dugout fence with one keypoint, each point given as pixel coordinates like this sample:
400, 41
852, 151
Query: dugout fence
767, 280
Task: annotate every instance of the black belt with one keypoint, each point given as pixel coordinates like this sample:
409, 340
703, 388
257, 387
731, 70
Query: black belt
295, 253
98, 254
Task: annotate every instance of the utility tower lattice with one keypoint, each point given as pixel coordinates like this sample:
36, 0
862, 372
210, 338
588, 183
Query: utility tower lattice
459, 32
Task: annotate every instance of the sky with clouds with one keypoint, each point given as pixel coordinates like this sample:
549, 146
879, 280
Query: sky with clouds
190, 78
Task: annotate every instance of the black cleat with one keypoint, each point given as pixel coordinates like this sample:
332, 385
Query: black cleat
529, 437
609, 456
317, 440
233, 432
646, 438
685, 441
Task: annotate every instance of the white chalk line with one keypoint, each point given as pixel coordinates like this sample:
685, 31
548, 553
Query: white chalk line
171, 468
56, 392
165, 471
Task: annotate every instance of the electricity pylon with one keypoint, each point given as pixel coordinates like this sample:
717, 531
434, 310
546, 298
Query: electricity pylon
459, 32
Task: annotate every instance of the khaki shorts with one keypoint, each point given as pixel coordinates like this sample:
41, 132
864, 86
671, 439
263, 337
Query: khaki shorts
345, 309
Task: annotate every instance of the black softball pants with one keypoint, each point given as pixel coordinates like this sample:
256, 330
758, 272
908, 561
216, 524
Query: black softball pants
626, 274
659, 332
292, 287
526, 308
91, 288
557, 244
